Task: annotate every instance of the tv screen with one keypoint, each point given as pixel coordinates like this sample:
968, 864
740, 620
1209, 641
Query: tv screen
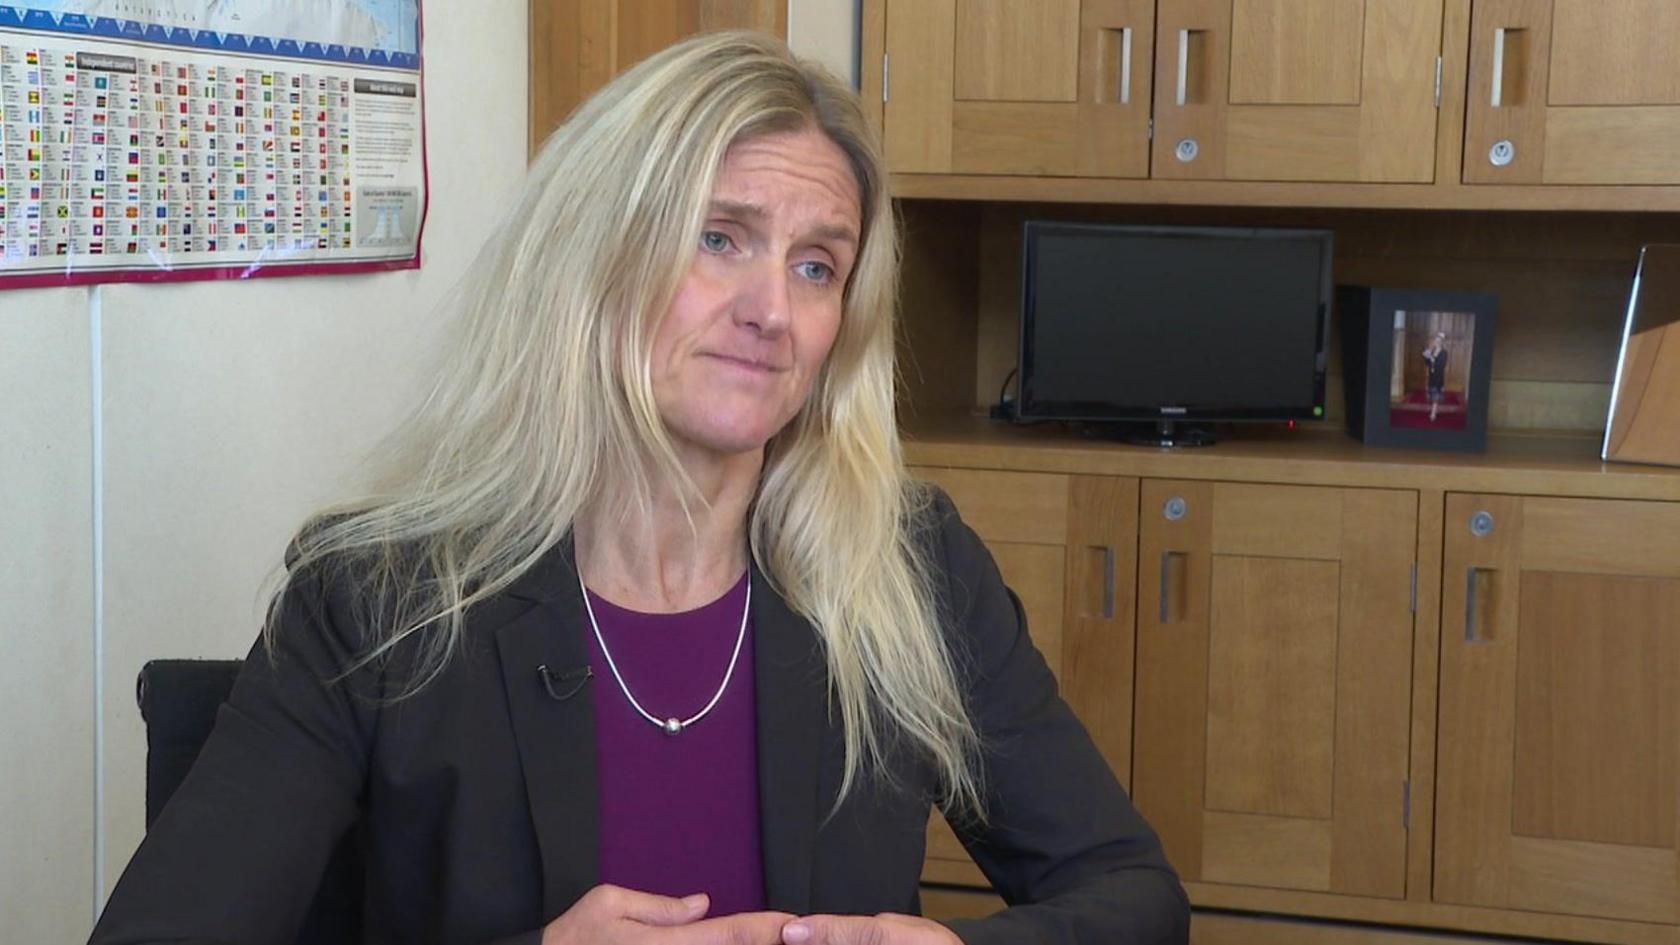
1173, 323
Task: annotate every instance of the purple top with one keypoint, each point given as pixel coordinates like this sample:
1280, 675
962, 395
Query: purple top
679, 813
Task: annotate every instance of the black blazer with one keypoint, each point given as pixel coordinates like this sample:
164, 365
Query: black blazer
476, 799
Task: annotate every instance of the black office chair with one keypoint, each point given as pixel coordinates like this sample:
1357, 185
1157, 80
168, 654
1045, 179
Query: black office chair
179, 699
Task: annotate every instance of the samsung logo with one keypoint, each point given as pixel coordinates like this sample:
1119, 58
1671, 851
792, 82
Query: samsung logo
1175, 411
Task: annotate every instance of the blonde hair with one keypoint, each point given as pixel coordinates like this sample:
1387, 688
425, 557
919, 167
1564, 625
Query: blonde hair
545, 406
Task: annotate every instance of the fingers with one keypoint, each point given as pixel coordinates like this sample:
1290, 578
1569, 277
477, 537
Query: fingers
745, 928
834, 930
884, 929
648, 908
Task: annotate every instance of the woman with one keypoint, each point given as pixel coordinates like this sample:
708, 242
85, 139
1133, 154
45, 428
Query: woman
646, 637
1436, 356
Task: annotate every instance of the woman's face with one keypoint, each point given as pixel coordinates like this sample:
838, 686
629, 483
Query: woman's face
758, 310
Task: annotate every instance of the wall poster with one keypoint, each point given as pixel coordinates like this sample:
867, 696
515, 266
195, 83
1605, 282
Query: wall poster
153, 140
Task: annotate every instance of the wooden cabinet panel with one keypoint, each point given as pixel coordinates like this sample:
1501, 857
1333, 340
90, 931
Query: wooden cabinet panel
1097, 616
1017, 52
1327, 90
1059, 88
1264, 521
1296, 52
1271, 670
920, 86
1374, 638
1066, 545
1509, 65
1559, 728
1602, 537
1006, 506
1039, 138
1258, 850
1299, 143
1573, 92
1169, 756
1614, 52
1273, 684
1619, 145
1594, 691
1034, 572
1192, 63
578, 45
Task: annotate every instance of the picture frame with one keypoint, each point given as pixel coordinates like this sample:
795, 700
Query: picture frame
1416, 366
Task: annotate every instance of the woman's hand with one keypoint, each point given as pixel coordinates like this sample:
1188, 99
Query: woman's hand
613, 915
885, 929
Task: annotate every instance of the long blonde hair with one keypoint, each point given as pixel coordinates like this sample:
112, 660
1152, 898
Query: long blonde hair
544, 405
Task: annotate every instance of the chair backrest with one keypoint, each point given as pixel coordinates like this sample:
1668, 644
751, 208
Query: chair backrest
179, 700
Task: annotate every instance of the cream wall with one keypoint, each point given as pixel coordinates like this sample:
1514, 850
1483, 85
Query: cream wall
826, 30
227, 412
46, 617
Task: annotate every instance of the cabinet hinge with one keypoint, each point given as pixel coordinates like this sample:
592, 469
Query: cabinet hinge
886, 78
1152, 129
1406, 804
1414, 587
1437, 81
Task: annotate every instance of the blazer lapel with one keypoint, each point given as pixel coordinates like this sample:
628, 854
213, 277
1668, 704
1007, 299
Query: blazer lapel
554, 725
791, 680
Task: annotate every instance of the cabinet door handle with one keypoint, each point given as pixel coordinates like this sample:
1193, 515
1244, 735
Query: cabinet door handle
1183, 65
1166, 584
1472, 583
1108, 582
1498, 67
1126, 66
1496, 92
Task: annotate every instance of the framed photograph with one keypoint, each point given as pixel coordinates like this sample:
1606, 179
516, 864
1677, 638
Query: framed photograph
1416, 366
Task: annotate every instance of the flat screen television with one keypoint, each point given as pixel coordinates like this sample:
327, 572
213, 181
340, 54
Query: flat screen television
1173, 324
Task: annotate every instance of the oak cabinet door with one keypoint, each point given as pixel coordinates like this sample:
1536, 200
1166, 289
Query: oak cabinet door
1066, 546
1274, 659
1296, 90
1046, 88
577, 46
1573, 92
1559, 712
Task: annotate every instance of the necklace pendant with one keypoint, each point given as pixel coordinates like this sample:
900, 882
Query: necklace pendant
672, 727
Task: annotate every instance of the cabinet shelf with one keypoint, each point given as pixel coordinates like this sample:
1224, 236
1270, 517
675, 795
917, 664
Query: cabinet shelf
1515, 464
1446, 195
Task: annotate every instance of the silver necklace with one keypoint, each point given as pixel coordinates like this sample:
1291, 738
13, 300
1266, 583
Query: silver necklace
672, 725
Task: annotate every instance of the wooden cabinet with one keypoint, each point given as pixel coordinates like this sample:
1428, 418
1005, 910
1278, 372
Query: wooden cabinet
1559, 714
1285, 90
1296, 90
1352, 103
1495, 752
577, 45
1067, 546
1573, 92
1274, 650
1052, 87
1319, 90
1273, 685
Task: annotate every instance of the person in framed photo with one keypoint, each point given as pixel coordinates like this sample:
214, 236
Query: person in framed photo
1436, 354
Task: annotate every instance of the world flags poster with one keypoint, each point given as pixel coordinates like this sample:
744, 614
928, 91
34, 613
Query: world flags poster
213, 139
